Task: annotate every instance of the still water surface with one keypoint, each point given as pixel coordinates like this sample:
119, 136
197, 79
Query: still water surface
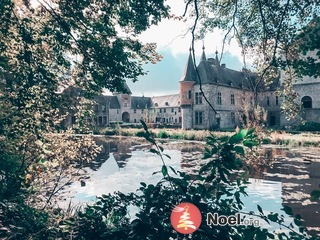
291, 176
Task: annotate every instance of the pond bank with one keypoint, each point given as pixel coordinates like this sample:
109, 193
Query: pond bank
276, 137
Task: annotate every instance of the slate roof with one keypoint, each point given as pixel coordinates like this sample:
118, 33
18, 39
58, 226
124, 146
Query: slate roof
189, 73
166, 101
140, 102
111, 101
211, 73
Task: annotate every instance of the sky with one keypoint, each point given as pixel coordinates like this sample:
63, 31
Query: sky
173, 43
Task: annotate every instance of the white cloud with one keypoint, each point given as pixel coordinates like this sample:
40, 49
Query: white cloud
176, 36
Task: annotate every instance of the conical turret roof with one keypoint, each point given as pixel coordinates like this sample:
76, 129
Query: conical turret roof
189, 73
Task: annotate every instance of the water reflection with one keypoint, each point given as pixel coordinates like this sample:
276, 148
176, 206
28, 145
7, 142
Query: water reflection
284, 177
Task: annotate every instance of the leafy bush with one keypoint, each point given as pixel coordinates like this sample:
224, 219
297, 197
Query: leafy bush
163, 134
266, 141
211, 190
19, 221
309, 126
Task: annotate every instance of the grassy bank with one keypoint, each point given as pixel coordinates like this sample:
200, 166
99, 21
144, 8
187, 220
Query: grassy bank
165, 133
304, 139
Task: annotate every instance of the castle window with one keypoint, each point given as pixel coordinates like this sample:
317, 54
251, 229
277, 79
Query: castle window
125, 104
160, 110
189, 94
232, 99
118, 111
164, 110
198, 118
233, 118
268, 101
96, 108
306, 102
219, 99
172, 110
277, 100
134, 110
142, 110
179, 109
198, 98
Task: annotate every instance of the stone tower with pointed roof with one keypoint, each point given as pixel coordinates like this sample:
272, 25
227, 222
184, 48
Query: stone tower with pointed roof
187, 82
124, 99
228, 91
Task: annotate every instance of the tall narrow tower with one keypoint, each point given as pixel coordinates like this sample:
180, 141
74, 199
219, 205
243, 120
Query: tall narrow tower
186, 93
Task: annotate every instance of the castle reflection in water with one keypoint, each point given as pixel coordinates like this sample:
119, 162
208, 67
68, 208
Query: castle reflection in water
297, 171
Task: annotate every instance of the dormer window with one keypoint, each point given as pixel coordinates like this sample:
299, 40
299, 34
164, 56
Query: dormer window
166, 103
156, 104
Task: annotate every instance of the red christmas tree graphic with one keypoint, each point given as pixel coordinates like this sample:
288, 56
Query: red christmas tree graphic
185, 218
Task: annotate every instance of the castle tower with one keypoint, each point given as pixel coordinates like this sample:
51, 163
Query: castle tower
124, 99
186, 93
203, 56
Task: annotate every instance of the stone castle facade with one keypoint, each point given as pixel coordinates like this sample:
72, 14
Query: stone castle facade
228, 91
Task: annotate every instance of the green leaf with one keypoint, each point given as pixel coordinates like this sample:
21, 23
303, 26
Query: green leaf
166, 155
235, 139
273, 217
164, 170
250, 143
144, 125
260, 209
239, 150
315, 195
287, 210
154, 151
173, 170
297, 220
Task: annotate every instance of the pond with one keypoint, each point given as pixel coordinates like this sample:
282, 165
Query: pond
288, 180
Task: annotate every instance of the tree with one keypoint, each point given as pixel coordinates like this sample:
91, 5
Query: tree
47, 46
278, 35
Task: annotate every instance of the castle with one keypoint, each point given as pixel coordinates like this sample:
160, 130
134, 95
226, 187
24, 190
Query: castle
229, 94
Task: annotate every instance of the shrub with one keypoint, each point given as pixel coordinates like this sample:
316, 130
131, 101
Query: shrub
140, 134
309, 126
163, 134
266, 141
211, 190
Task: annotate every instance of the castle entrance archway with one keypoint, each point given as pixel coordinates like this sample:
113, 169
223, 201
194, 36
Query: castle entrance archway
125, 117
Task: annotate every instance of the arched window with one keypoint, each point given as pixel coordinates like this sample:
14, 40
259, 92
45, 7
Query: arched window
306, 102
219, 99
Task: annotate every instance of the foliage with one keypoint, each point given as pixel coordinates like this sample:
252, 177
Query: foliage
47, 50
309, 126
281, 37
146, 213
19, 221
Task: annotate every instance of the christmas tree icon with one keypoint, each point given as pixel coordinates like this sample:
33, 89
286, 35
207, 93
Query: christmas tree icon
184, 221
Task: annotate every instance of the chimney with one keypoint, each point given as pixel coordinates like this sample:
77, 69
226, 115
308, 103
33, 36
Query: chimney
223, 65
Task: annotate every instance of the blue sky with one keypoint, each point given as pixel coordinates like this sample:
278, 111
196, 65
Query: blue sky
174, 40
